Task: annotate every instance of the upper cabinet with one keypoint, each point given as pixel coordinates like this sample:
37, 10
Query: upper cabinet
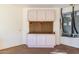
41, 14
32, 14
50, 14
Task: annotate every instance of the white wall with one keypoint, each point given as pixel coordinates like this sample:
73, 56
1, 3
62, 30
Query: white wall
10, 26
57, 26
67, 9
70, 41
25, 26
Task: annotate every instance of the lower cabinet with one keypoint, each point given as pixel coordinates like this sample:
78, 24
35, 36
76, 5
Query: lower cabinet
41, 40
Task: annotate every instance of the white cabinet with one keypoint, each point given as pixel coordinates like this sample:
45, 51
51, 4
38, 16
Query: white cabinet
31, 40
32, 15
50, 15
41, 14
41, 40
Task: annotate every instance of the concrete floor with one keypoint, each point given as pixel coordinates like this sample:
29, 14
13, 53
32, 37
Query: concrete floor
23, 49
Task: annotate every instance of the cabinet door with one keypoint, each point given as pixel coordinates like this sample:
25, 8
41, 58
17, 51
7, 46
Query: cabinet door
32, 15
49, 14
32, 40
45, 41
40, 40
50, 40
41, 15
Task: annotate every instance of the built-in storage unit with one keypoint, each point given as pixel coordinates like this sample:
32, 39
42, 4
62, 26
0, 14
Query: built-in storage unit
41, 21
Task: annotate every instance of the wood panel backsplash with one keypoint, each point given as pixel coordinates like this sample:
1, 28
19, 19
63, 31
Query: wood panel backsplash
41, 27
